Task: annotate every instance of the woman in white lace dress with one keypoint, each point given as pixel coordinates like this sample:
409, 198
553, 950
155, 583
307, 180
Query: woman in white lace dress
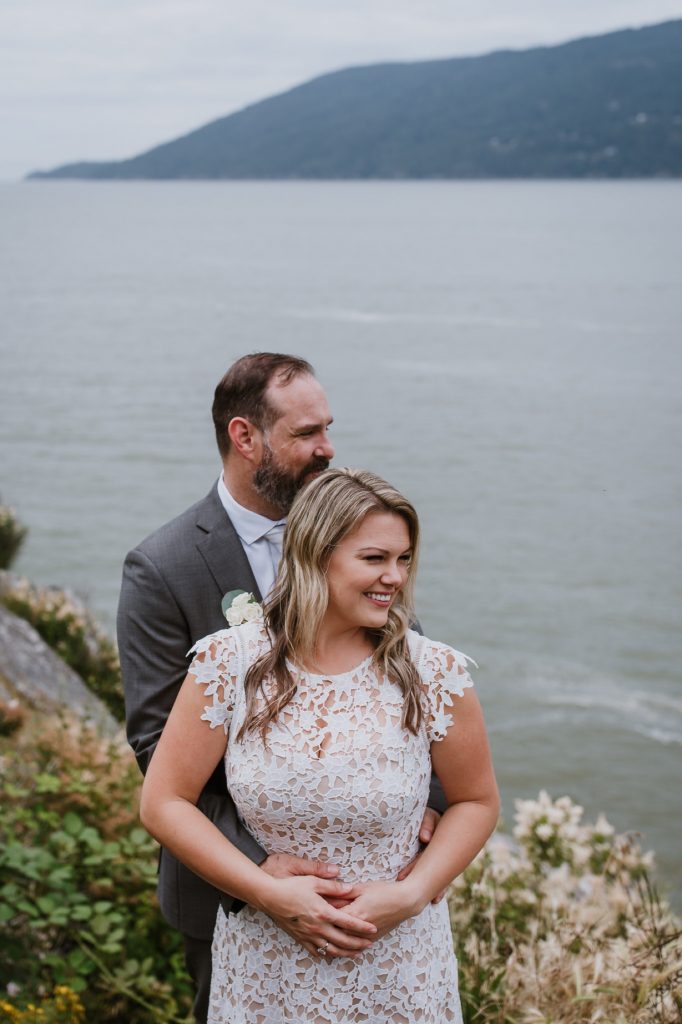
330, 716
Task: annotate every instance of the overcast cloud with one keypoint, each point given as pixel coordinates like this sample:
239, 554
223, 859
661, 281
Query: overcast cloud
105, 79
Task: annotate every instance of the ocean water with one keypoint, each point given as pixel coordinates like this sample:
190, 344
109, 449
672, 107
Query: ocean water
507, 353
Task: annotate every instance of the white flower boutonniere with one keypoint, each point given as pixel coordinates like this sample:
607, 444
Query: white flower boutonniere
239, 606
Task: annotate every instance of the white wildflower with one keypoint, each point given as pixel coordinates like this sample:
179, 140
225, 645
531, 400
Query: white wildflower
602, 827
580, 855
569, 832
555, 816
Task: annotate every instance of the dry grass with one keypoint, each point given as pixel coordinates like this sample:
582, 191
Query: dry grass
563, 926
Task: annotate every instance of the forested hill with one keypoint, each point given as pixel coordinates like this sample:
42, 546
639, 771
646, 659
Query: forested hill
607, 106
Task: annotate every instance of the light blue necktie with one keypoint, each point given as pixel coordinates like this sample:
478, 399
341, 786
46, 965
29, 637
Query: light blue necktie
274, 538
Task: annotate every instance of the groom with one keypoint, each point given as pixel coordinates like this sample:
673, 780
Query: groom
271, 420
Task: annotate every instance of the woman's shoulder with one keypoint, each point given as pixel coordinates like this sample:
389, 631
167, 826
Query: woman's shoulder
220, 663
248, 637
434, 658
444, 675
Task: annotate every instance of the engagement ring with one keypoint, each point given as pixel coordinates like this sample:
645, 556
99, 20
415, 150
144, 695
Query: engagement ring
322, 949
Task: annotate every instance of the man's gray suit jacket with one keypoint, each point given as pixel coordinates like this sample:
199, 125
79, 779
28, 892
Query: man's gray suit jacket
173, 584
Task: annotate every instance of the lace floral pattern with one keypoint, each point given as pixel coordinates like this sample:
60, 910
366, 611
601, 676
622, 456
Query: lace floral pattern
338, 779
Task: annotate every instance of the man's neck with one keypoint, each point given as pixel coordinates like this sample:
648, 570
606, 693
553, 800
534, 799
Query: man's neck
240, 486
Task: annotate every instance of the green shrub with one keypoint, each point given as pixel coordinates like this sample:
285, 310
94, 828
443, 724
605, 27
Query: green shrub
12, 536
77, 899
71, 631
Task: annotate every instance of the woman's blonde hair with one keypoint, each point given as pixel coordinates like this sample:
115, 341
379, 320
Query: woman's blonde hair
327, 510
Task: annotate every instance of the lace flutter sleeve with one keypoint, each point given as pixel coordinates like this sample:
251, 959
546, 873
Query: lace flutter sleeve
445, 675
215, 667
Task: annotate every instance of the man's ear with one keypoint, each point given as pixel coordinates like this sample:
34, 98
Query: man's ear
245, 438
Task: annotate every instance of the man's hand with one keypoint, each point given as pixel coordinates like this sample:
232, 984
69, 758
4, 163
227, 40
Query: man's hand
428, 827
282, 865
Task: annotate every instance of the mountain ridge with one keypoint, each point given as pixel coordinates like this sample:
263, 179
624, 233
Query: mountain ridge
601, 106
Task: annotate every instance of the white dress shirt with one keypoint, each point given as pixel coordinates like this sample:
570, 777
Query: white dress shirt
261, 538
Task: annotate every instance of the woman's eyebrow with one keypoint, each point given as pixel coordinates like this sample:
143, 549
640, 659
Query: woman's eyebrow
383, 551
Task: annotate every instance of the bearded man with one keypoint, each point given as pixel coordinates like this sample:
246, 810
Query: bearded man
272, 422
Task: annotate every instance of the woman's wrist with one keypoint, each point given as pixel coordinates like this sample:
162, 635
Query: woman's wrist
263, 894
414, 897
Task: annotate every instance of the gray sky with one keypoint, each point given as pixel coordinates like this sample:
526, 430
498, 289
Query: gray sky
105, 79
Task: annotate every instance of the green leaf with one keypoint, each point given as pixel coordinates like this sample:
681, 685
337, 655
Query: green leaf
73, 824
27, 908
100, 925
94, 860
46, 783
76, 958
6, 913
60, 877
61, 838
16, 792
81, 913
59, 917
91, 837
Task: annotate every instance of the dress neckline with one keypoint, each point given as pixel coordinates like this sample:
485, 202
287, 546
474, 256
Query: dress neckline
331, 675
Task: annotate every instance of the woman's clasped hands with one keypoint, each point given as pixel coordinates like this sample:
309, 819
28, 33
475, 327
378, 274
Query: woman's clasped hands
332, 918
301, 907
385, 904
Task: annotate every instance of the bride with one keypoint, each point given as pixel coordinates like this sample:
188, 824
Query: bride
331, 714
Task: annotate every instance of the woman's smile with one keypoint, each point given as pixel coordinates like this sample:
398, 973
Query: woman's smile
367, 570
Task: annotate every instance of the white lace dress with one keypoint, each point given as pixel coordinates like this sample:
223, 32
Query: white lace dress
338, 780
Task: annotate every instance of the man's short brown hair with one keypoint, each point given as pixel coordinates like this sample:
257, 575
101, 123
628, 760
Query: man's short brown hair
241, 392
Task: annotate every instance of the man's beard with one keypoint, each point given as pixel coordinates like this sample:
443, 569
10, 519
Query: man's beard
279, 486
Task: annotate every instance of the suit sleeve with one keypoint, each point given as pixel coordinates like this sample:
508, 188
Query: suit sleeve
153, 640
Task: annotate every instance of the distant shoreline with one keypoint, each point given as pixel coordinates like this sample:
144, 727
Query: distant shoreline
604, 107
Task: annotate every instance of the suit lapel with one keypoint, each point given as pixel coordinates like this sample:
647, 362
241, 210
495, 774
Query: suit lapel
219, 545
